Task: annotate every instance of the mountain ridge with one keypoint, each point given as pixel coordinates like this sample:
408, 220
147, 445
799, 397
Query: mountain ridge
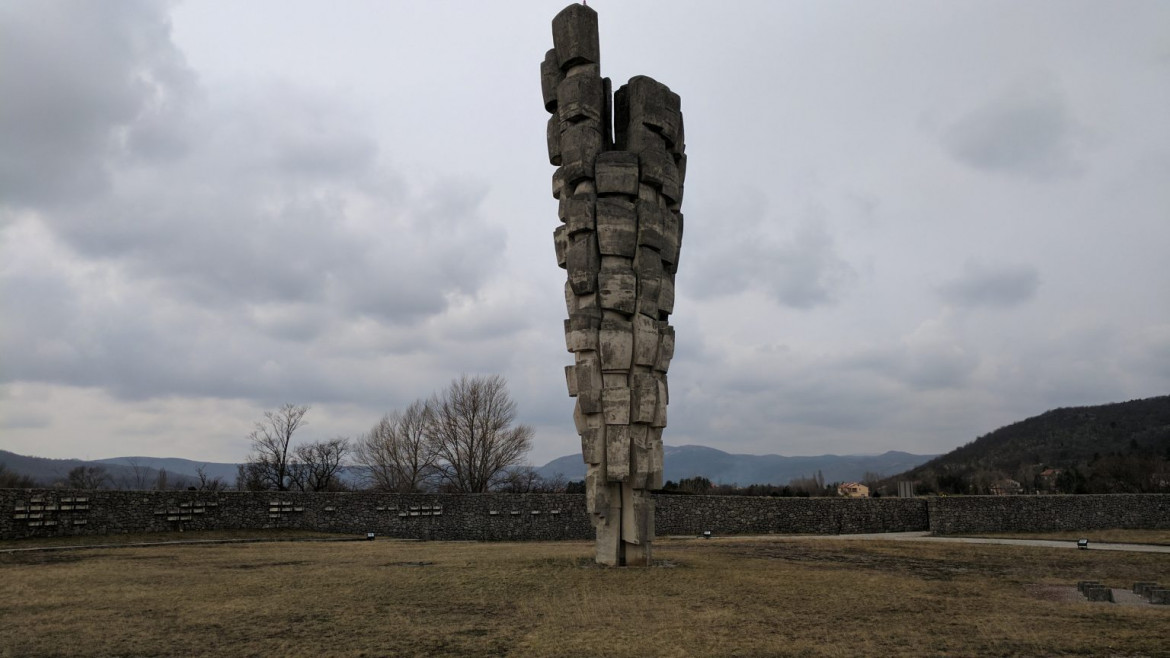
742, 469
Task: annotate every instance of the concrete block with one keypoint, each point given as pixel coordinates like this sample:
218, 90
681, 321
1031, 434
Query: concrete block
1098, 593
660, 409
617, 173
646, 92
637, 517
648, 265
580, 98
608, 547
651, 222
616, 345
582, 261
579, 215
1159, 596
655, 106
558, 182
671, 237
1143, 588
552, 137
617, 227
656, 458
665, 347
615, 405
644, 399
575, 36
596, 490
645, 340
582, 420
1082, 584
617, 453
665, 296
586, 304
617, 290
641, 460
589, 382
571, 380
581, 332
639, 139
656, 167
593, 445
616, 379
561, 243
580, 144
550, 77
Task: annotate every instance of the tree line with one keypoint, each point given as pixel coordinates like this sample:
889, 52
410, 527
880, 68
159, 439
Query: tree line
462, 439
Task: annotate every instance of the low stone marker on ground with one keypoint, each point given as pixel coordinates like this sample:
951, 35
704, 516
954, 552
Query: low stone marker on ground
1098, 593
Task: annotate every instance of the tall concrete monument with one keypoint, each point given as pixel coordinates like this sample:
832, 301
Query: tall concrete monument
620, 166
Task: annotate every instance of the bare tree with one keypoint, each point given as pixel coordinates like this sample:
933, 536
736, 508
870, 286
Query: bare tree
140, 473
268, 465
396, 453
249, 478
526, 479
317, 465
87, 477
471, 431
14, 480
207, 483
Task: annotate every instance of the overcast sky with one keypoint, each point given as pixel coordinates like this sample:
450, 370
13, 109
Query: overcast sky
908, 223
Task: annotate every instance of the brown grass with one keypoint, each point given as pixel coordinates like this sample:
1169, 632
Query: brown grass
1119, 536
716, 597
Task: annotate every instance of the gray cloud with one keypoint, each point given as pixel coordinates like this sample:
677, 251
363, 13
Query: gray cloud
801, 270
997, 286
245, 243
84, 86
1028, 130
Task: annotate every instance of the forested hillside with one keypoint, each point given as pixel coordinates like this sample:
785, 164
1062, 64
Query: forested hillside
1111, 448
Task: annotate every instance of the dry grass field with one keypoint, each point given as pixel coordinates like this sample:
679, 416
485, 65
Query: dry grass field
706, 598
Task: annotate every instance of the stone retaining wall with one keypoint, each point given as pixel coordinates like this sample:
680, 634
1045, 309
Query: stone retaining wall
525, 517
48, 512
743, 515
956, 515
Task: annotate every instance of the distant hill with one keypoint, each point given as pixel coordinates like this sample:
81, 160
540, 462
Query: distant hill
136, 472
124, 472
1108, 444
680, 462
177, 466
725, 468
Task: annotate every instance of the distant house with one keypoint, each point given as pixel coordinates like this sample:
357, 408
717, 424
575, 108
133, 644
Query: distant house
853, 490
1046, 480
1006, 488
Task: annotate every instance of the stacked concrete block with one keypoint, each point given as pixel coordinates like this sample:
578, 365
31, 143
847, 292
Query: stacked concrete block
620, 167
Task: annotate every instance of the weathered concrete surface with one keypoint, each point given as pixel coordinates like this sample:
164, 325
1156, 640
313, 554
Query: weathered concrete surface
620, 194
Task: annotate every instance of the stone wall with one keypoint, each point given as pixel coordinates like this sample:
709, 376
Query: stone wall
740, 515
48, 512
526, 517
971, 514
